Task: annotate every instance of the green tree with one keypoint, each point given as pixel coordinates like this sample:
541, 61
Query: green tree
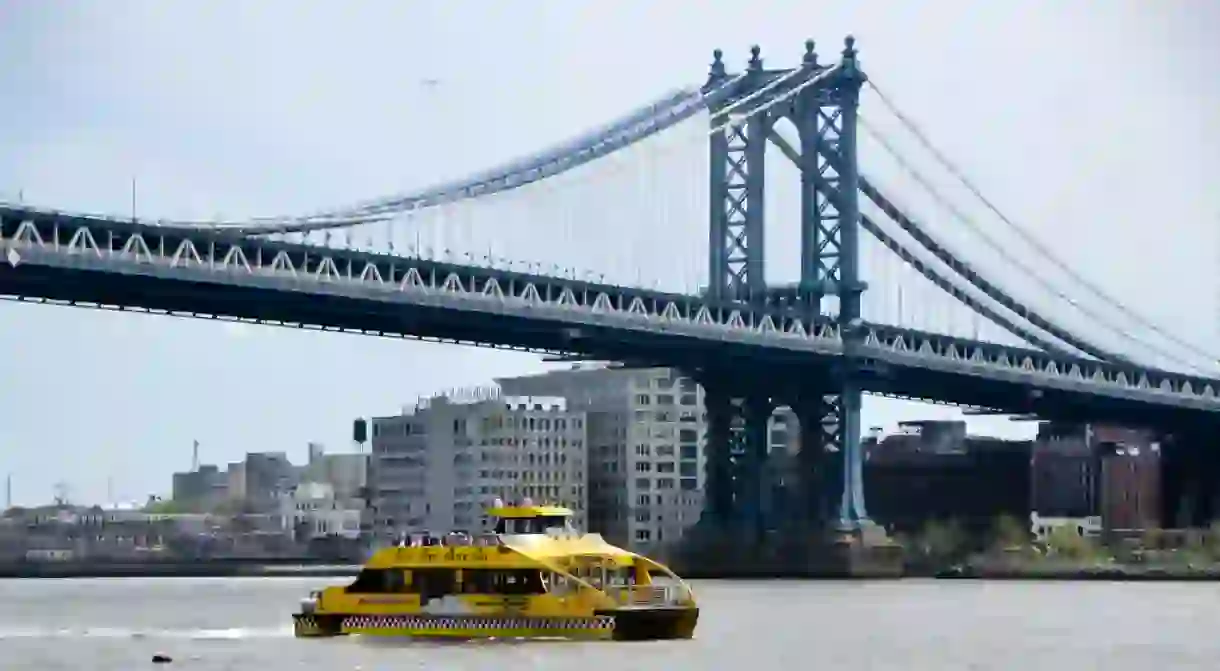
1008, 533
1067, 542
941, 540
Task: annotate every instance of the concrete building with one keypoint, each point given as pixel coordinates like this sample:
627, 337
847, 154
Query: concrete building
441, 463
266, 476
204, 488
346, 473
313, 510
647, 464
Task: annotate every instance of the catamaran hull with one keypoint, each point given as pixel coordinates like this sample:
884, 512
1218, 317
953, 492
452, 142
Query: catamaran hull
618, 625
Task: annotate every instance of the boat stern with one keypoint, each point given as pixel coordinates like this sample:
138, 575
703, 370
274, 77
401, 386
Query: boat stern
652, 612
653, 623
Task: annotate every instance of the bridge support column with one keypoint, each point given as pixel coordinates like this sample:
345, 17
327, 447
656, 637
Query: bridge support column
852, 513
756, 418
718, 488
737, 155
830, 232
1190, 479
737, 452
817, 478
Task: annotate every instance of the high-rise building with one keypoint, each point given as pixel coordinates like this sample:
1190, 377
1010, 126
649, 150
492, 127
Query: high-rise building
646, 461
437, 466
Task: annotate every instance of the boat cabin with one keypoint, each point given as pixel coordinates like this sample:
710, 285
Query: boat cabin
528, 518
459, 563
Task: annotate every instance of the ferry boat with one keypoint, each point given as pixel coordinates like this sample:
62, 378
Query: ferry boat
534, 576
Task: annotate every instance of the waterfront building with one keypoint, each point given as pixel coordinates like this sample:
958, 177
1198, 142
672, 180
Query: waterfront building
439, 464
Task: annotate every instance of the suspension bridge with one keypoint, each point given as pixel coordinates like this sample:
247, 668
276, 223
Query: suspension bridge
654, 240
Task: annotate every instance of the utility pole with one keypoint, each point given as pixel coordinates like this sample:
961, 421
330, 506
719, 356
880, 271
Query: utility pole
8, 491
195, 457
133, 199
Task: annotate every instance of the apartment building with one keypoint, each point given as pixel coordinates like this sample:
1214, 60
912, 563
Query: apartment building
647, 463
438, 465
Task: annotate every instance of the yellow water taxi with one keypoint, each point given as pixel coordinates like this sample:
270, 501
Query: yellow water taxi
533, 576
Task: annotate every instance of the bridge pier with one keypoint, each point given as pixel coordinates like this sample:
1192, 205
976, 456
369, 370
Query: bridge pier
819, 470
736, 454
830, 288
1190, 479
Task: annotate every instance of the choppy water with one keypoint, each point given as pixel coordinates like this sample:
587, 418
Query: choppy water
239, 624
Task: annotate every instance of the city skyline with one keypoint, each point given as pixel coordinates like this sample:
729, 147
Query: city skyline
268, 126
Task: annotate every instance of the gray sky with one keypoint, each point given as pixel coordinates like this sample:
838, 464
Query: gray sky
1093, 124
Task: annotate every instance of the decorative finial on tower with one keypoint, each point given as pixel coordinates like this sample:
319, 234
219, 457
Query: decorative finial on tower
717, 63
811, 55
849, 48
755, 58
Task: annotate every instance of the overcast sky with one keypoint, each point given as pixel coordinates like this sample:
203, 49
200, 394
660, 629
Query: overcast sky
1093, 124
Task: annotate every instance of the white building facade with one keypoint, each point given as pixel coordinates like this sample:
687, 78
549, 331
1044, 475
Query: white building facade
646, 461
438, 466
313, 508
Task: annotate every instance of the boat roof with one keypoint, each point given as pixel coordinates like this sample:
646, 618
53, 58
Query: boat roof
519, 512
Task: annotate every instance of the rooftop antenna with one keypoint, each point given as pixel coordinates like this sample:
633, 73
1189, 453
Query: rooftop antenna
8, 491
195, 456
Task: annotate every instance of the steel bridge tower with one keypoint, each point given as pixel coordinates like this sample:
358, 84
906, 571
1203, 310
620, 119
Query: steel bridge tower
828, 408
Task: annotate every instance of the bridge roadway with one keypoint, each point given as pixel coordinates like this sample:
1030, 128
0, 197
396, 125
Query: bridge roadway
78, 259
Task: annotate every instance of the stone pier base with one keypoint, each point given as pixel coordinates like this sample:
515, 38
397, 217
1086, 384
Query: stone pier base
721, 553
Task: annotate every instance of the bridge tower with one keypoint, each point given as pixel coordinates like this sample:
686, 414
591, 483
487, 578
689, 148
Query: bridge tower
828, 406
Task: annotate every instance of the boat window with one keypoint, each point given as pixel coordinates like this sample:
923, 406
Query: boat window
510, 581
434, 582
378, 581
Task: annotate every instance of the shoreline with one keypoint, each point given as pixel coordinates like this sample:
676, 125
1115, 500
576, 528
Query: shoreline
222, 569
1127, 573
299, 569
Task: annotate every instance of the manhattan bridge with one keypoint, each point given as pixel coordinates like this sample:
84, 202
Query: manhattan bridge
596, 248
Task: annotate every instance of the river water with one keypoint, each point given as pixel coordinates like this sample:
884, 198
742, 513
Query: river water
240, 624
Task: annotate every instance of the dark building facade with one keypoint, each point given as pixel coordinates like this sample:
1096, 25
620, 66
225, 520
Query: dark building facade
1108, 471
933, 470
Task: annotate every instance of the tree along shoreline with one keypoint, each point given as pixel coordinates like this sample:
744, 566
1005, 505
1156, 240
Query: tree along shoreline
1008, 551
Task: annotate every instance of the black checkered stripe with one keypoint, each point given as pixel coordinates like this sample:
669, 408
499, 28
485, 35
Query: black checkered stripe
443, 622
306, 621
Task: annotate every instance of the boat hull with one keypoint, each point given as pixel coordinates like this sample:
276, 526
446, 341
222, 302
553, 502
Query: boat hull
633, 624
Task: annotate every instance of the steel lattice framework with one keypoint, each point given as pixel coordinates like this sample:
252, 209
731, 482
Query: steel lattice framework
32, 241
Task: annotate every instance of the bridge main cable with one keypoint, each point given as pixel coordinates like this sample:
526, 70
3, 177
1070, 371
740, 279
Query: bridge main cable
638, 125
558, 161
968, 273
931, 274
1114, 303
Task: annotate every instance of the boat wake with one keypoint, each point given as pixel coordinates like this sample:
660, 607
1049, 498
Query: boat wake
125, 633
